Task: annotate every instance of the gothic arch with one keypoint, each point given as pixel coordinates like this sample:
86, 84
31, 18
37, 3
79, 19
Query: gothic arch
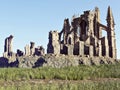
70, 39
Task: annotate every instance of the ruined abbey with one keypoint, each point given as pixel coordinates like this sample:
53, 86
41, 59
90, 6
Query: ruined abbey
79, 42
83, 36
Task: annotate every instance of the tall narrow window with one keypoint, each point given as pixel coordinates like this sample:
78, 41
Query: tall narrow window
104, 33
70, 40
78, 31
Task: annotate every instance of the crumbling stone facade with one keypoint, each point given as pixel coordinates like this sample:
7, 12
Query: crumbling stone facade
79, 42
39, 51
83, 36
8, 52
19, 53
32, 50
8, 47
29, 50
53, 45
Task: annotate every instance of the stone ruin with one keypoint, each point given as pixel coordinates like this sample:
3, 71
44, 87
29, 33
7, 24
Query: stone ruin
83, 36
29, 50
8, 53
79, 42
32, 50
8, 46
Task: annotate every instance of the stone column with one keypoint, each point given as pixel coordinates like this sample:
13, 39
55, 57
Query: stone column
32, 48
81, 48
53, 45
8, 46
10, 43
99, 49
91, 53
27, 50
111, 33
105, 47
70, 49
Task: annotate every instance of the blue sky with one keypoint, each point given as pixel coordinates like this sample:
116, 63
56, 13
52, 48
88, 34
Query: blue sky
31, 20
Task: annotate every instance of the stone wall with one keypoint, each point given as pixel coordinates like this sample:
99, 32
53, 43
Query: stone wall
55, 61
83, 36
59, 61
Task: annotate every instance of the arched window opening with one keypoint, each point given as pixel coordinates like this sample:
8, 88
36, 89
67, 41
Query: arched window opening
83, 26
70, 40
61, 38
78, 31
104, 33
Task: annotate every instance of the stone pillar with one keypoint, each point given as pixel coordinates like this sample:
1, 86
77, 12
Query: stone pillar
70, 49
53, 45
97, 31
32, 48
8, 45
42, 50
27, 50
112, 52
105, 47
111, 33
112, 44
66, 30
99, 49
91, 51
90, 31
81, 48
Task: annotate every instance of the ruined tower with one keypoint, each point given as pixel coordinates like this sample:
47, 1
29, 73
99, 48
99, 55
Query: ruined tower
66, 30
111, 33
53, 45
8, 46
32, 48
27, 50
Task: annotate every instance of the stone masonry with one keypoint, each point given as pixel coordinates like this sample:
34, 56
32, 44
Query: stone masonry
53, 45
8, 46
83, 36
32, 50
79, 42
29, 50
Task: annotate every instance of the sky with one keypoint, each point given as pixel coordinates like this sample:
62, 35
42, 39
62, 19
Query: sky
31, 20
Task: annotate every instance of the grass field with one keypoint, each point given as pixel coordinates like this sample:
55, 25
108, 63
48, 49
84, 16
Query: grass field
104, 77
104, 84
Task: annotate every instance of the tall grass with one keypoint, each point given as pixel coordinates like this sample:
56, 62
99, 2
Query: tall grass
67, 73
9, 78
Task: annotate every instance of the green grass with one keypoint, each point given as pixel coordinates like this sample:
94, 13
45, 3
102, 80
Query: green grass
69, 73
66, 74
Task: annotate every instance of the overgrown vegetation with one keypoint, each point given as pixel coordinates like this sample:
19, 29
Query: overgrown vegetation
68, 73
